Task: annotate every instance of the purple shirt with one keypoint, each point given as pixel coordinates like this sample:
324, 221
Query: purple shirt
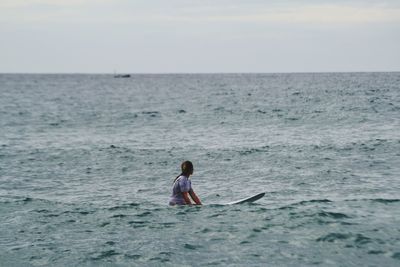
182, 184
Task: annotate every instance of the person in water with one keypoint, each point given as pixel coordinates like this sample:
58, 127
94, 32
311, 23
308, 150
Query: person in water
182, 190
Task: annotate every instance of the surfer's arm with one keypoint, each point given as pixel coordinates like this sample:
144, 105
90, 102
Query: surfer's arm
194, 197
186, 198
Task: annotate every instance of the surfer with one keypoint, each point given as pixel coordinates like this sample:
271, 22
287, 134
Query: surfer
182, 190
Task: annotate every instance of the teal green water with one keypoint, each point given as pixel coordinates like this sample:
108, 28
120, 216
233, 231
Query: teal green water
87, 164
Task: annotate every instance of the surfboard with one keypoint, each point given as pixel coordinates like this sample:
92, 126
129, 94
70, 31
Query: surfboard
248, 199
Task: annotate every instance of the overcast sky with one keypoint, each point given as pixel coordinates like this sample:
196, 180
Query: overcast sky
186, 36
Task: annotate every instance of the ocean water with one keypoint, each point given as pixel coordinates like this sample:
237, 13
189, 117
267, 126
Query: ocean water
87, 164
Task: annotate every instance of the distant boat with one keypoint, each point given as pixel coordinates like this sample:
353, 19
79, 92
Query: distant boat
122, 75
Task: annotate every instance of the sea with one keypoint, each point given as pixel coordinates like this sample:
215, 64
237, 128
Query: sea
87, 163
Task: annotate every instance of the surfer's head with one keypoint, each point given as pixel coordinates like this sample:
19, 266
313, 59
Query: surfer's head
187, 168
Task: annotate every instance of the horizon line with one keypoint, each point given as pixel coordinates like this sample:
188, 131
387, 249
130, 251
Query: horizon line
194, 73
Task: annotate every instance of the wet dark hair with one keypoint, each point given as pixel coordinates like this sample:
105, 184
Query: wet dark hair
187, 169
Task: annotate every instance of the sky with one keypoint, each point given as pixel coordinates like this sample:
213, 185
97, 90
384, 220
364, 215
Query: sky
199, 36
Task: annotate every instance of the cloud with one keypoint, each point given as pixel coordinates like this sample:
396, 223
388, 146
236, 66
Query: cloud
33, 3
314, 14
123, 11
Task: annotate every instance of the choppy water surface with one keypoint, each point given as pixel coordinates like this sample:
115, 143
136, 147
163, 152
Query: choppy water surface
87, 163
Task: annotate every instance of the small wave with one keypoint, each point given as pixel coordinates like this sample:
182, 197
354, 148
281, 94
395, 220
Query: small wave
133, 257
205, 230
119, 216
138, 224
106, 254
361, 239
123, 206
375, 252
191, 247
42, 211
159, 259
51, 215
149, 114
104, 224
219, 109
144, 214
331, 237
334, 215
385, 201
396, 256
166, 225
288, 207
292, 119
358, 239
304, 202
81, 212
254, 150
348, 223
27, 200
378, 200
214, 215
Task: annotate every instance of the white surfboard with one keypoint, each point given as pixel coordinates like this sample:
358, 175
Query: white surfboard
248, 199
